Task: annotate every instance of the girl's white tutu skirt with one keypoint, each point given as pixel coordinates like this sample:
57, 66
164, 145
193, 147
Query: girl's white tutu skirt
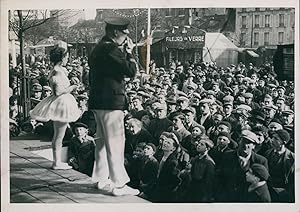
61, 108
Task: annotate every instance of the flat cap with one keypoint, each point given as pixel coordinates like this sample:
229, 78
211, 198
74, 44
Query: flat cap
228, 89
80, 124
205, 101
228, 98
182, 99
271, 85
209, 143
192, 86
161, 107
270, 107
171, 100
244, 107
250, 136
240, 75
248, 95
176, 114
281, 87
82, 96
189, 110
288, 112
196, 95
47, 88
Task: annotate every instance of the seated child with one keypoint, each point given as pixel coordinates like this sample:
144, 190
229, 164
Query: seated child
81, 149
149, 171
135, 164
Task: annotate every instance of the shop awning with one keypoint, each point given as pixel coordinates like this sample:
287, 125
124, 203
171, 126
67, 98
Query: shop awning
252, 53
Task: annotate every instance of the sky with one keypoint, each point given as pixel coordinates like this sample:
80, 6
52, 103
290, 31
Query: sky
90, 13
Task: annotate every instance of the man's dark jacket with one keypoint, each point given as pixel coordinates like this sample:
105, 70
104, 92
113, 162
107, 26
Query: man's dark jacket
108, 67
232, 182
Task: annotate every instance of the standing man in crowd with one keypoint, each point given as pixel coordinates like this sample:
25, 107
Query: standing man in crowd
110, 62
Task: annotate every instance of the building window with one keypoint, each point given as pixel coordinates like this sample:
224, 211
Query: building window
244, 10
267, 9
266, 38
256, 9
181, 11
267, 20
281, 20
243, 39
168, 12
280, 37
256, 41
244, 22
256, 21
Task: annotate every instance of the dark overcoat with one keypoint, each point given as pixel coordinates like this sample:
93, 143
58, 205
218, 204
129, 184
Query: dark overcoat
232, 178
109, 65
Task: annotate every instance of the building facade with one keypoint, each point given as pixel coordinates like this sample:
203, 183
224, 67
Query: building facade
264, 27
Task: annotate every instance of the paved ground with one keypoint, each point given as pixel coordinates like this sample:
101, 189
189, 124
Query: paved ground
31, 180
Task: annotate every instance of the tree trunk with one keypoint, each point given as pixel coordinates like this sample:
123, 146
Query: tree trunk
24, 90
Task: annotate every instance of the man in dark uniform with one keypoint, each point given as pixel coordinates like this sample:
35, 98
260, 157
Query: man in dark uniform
110, 62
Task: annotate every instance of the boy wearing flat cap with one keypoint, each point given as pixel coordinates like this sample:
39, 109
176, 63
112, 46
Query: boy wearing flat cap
202, 173
81, 149
282, 168
110, 62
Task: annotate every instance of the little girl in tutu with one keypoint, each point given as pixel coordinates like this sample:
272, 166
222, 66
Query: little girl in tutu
61, 107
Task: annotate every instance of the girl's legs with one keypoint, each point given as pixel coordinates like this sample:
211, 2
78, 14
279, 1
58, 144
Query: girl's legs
59, 133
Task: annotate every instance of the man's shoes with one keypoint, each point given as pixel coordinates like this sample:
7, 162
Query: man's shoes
105, 188
61, 166
125, 190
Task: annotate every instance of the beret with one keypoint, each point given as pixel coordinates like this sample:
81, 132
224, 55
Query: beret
226, 123
225, 134
283, 135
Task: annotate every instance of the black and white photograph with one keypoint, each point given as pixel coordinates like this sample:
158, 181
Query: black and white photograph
170, 105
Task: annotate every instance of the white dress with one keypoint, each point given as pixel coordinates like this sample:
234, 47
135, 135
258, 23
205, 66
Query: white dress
62, 107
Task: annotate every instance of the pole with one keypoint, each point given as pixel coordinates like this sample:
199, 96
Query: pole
148, 42
136, 37
251, 37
